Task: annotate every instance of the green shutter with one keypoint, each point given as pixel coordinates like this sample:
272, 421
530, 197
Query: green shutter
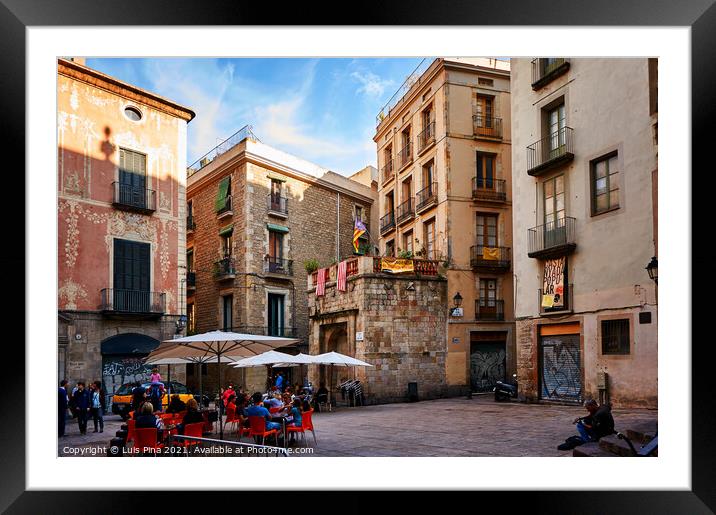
226, 229
222, 193
277, 228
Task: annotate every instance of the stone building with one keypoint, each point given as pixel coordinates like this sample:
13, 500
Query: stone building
256, 215
397, 323
121, 212
444, 155
584, 182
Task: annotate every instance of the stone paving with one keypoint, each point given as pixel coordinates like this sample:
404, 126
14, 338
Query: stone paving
444, 427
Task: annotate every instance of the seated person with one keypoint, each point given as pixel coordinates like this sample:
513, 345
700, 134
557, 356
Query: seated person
256, 410
176, 405
275, 401
193, 415
322, 394
147, 420
592, 427
139, 397
305, 404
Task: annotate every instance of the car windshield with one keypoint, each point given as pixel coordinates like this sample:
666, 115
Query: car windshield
125, 389
171, 386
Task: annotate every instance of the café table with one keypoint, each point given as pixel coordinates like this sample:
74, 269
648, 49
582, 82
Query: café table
281, 418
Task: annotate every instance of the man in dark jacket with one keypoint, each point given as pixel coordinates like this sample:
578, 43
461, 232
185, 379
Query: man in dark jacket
81, 401
597, 424
62, 402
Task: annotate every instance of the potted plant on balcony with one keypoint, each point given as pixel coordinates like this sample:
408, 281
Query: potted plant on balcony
311, 265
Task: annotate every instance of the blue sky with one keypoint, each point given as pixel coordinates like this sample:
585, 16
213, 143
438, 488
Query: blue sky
322, 110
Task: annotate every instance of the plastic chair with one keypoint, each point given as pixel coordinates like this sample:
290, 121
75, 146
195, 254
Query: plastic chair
196, 429
299, 429
307, 424
231, 419
258, 428
146, 438
275, 409
131, 423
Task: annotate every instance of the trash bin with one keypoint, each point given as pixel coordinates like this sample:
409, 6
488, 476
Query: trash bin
412, 392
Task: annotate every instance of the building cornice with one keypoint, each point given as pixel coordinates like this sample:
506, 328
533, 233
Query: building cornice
98, 79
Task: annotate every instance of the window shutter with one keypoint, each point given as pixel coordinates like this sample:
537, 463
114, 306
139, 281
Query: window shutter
222, 193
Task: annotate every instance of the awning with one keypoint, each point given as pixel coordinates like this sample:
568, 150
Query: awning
277, 228
129, 343
226, 229
222, 193
276, 177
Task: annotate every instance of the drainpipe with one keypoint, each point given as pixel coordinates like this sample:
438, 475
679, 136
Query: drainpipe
338, 229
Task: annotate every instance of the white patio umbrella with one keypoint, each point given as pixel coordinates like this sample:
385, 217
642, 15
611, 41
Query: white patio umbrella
274, 358
337, 359
219, 344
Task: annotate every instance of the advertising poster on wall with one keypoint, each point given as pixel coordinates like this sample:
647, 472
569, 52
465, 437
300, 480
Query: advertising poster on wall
553, 283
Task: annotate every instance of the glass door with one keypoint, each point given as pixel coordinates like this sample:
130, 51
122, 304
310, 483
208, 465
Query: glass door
555, 231
275, 314
557, 135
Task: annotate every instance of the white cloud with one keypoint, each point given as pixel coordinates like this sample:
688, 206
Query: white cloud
371, 84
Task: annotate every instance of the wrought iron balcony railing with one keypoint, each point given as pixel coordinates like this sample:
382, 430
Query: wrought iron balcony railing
490, 259
489, 189
426, 197
224, 268
486, 126
553, 239
275, 265
427, 137
405, 211
277, 204
386, 173
405, 155
226, 208
134, 198
387, 223
550, 152
132, 301
556, 302
489, 310
545, 70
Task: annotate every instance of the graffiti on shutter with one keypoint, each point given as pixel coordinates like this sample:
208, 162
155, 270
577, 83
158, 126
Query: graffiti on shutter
561, 376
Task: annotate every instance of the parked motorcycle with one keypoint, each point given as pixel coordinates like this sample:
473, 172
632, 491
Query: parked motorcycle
505, 391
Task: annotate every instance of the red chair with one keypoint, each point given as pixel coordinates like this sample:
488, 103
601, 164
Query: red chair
231, 419
307, 423
258, 428
299, 429
146, 438
275, 409
196, 429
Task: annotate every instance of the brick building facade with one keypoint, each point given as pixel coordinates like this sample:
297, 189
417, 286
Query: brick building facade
256, 215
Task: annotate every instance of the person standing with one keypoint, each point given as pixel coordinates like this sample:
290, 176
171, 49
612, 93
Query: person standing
97, 406
62, 402
279, 382
81, 401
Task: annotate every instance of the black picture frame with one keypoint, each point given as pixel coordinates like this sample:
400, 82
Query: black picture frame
17, 15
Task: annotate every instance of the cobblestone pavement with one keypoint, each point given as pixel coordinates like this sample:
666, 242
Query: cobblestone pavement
444, 427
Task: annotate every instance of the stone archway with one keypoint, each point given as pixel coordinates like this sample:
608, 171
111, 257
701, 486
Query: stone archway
333, 338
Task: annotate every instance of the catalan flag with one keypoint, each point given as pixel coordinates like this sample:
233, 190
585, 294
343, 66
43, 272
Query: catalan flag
358, 231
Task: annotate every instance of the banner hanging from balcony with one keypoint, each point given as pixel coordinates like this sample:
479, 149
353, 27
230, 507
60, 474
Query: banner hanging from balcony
321, 282
393, 265
341, 280
553, 283
491, 253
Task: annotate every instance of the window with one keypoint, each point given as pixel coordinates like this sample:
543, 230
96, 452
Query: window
408, 242
615, 336
190, 209
484, 111
485, 171
405, 143
485, 82
556, 123
427, 116
488, 292
389, 203
132, 178
428, 173
227, 318
487, 230
131, 276
191, 318
430, 239
275, 314
226, 244
390, 248
358, 212
605, 184
223, 195
653, 85
554, 211
275, 249
190, 260
133, 113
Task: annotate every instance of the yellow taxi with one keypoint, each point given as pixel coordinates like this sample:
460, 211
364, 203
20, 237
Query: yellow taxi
122, 398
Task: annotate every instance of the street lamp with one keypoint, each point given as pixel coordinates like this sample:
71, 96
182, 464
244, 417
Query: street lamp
457, 300
653, 269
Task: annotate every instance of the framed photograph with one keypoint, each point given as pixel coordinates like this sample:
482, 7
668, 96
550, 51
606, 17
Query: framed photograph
231, 192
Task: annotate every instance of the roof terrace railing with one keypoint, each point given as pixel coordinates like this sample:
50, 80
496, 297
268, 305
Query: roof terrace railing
243, 133
412, 79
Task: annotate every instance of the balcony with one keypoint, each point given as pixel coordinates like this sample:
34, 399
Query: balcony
224, 211
191, 280
427, 197
405, 211
487, 127
280, 266
386, 173
132, 302
224, 269
489, 190
405, 156
558, 303
490, 259
489, 310
277, 205
554, 239
387, 223
426, 138
545, 70
190, 224
134, 198
550, 152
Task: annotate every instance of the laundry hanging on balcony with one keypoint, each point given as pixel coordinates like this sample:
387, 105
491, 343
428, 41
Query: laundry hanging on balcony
342, 275
321, 282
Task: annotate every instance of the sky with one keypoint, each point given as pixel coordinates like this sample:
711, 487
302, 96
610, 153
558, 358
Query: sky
321, 110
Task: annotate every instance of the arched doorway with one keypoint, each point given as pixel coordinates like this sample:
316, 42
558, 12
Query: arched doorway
334, 338
123, 361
